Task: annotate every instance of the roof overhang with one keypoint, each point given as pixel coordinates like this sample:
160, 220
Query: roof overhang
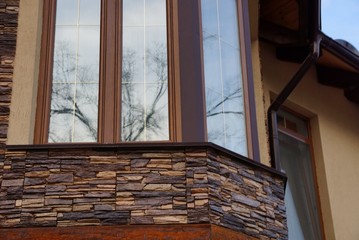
292, 26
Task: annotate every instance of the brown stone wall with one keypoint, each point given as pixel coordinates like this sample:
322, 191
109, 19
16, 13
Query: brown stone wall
8, 29
245, 199
66, 187
8, 33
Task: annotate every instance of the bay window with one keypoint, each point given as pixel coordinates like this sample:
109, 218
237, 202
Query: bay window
146, 70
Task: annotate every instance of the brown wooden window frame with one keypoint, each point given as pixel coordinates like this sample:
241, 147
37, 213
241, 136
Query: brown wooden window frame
187, 108
283, 129
109, 105
247, 78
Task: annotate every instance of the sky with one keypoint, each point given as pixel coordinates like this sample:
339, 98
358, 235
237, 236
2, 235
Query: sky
340, 20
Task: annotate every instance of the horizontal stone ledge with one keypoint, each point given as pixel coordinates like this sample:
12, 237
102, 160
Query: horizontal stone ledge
146, 148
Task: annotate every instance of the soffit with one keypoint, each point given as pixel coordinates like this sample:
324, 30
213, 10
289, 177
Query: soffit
328, 59
290, 24
282, 21
284, 13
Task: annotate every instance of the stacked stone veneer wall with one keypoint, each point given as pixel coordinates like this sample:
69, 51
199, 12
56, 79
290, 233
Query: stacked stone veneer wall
67, 187
8, 33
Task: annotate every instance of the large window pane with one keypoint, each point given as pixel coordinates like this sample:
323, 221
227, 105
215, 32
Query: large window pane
223, 76
144, 114
74, 97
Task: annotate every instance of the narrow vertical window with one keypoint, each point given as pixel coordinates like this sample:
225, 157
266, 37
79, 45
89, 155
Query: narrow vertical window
296, 161
223, 76
75, 76
144, 114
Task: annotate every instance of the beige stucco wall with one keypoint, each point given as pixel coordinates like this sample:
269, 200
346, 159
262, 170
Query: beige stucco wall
260, 104
335, 129
253, 7
23, 102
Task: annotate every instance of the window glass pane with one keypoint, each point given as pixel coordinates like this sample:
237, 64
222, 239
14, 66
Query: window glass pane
223, 77
340, 22
210, 17
132, 112
133, 13
300, 197
74, 97
212, 66
89, 12
85, 124
231, 73
155, 12
144, 115
61, 112
66, 12
227, 11
293, 123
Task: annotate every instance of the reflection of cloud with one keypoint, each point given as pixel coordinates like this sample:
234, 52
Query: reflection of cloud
67, 12
155, 12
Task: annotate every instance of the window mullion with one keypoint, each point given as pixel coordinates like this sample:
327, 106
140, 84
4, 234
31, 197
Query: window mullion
192, 104
109, 72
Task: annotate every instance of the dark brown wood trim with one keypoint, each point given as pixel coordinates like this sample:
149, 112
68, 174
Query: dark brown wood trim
352, 93
101, 103
171, 71
176, 84
248, 86
191, 76
108, 71
118, 77
337, 77
293, 134
203, 80
45, 73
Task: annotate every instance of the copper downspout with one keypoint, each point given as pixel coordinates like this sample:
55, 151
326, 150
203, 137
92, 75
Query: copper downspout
283, 95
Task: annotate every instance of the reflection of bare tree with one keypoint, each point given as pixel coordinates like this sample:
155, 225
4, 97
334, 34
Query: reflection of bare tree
224, 96
139, 117
71, 102
215, 108
74, 107
223, 107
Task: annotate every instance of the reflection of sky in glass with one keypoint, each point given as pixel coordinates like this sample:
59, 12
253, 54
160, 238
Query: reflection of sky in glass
223, 76
144, 113
340, 20
74, 98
